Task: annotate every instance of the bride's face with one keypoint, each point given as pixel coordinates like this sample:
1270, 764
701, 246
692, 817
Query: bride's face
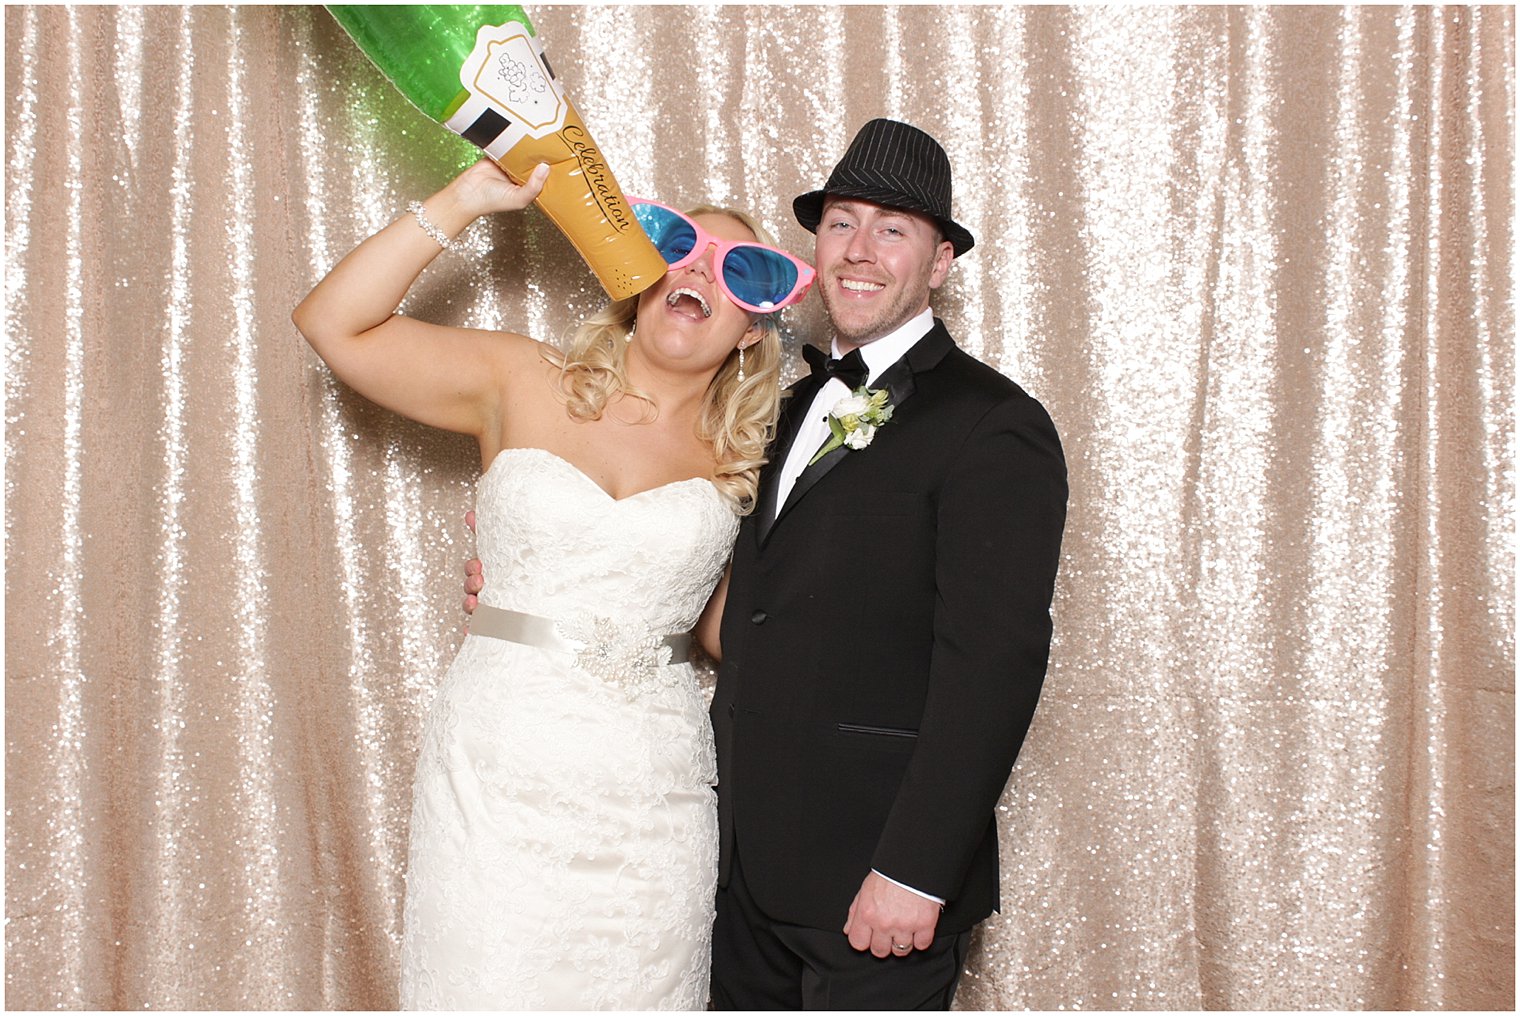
686, 320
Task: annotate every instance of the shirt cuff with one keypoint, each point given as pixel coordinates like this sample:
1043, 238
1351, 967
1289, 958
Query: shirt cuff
915, 892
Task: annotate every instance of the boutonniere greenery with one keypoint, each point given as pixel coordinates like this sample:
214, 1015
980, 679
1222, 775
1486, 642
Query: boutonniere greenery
854, 419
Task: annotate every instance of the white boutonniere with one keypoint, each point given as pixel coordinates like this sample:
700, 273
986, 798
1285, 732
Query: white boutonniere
854, 419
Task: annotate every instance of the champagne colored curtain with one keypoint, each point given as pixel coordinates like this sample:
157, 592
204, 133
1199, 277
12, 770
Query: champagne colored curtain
1258, 264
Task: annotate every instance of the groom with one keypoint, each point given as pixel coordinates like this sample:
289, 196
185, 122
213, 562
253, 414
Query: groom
887, 623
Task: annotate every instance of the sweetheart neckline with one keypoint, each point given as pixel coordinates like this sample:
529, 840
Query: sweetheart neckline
602, 490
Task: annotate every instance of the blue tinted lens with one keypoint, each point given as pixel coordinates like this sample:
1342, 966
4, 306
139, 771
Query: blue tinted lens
758, 276
671, 235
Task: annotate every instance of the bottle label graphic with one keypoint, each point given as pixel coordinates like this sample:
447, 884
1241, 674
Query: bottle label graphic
512, 92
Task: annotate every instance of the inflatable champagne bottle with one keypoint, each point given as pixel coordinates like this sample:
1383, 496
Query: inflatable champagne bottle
480, 71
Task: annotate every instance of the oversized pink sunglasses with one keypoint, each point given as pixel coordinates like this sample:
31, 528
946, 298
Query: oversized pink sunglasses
757, 277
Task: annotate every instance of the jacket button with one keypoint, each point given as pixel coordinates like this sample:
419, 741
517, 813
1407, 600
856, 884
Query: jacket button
758, 617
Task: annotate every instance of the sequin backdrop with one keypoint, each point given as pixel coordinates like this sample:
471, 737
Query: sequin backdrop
1257, 264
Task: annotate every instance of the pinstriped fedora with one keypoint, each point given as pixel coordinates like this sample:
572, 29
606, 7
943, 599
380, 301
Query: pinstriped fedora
895, 164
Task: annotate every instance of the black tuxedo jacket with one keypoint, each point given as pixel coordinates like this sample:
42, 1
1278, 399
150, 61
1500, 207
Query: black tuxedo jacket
884, 642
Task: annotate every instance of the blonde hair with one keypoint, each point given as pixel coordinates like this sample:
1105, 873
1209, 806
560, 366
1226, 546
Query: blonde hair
737, 417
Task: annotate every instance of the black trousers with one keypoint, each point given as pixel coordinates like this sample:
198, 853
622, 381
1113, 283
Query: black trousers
760, 963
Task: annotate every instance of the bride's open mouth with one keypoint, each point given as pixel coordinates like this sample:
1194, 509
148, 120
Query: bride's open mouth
684, 293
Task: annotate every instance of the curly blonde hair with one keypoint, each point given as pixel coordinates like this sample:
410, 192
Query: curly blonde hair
737, 417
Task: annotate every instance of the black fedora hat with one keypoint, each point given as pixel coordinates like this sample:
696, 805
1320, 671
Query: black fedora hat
895, 164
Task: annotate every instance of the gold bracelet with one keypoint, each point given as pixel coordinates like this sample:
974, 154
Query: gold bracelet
431, 230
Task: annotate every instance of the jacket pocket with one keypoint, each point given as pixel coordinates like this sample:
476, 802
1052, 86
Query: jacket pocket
862, 728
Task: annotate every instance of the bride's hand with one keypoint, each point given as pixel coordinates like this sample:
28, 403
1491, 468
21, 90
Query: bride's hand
485, 188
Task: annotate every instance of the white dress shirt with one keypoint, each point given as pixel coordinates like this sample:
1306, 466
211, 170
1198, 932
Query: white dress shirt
878, 355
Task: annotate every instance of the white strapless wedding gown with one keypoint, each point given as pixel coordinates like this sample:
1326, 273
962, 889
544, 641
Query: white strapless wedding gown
564, 835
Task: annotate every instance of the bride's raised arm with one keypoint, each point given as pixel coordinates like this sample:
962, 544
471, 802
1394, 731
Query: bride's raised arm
446, 377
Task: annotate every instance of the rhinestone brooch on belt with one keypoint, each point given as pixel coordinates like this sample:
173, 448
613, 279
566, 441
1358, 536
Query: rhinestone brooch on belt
628, 655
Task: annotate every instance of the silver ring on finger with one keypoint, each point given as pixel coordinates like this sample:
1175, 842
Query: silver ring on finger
900, 948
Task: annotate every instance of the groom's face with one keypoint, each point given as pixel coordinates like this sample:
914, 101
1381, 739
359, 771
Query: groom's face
876, 267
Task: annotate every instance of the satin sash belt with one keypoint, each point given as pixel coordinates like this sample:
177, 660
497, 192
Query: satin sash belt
542, 633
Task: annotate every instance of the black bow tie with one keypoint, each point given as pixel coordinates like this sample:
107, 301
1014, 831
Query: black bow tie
850, 368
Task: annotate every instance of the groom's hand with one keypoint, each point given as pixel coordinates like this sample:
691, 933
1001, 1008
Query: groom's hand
474, 581
883, 915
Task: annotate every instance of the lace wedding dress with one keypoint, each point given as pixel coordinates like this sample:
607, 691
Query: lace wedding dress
564, 839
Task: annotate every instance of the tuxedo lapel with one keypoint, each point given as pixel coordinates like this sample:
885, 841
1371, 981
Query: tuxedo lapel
793, 409
898, 380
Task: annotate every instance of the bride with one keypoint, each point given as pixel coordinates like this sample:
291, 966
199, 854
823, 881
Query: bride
563, 835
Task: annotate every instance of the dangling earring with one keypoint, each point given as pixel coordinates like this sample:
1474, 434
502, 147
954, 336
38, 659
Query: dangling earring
741, 365
633, 326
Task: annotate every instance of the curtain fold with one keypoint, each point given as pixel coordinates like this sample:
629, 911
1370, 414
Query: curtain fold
1256, 262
